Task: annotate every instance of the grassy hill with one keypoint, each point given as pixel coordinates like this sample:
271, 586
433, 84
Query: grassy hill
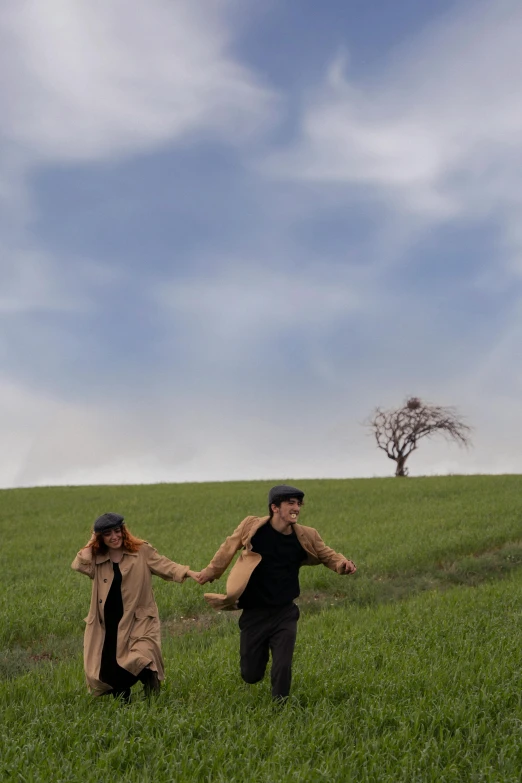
409, 671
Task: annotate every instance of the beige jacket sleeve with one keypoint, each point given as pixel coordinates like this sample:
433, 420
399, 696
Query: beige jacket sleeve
163, 567
326, 555
84, 562
221, 560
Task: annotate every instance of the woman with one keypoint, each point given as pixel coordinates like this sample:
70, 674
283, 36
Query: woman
122, 641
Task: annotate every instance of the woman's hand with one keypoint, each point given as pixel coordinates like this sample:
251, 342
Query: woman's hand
193, 575
86, 553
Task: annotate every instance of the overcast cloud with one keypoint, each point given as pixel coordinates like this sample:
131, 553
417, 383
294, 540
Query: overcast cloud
225, 237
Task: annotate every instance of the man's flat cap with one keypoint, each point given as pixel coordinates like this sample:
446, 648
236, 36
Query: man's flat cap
284, 491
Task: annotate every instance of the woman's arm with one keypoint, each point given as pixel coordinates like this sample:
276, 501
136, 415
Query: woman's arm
84, 562
160, 565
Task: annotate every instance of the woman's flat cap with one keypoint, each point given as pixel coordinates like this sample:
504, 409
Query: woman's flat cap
107, 522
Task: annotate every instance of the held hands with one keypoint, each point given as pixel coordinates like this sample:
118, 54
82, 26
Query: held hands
201, 577
348, 567
205, 576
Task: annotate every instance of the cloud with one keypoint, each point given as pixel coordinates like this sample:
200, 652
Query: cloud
274, 305
437, 134
94, 79
241, 301
34, 281
100, 80
48, 440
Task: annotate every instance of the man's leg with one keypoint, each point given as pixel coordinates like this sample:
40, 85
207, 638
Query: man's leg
254, 625
282, 643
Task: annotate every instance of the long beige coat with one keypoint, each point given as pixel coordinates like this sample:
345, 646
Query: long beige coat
237, 581
139, 633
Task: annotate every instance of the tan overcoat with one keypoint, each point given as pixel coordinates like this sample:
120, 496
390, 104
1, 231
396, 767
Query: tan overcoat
241, 538
139, 633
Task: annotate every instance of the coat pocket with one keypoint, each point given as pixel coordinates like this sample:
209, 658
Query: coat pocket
89, 619
141, 612
145, 619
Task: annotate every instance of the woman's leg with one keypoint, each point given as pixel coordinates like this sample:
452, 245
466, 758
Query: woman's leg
123, 695
151, 683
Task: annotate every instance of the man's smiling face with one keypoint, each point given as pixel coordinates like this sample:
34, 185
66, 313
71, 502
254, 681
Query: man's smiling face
289, 510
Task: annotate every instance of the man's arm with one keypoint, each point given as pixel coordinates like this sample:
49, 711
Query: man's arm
332, 559
221, 560
348, 566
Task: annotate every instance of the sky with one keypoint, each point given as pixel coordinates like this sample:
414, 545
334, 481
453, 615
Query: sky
229, 230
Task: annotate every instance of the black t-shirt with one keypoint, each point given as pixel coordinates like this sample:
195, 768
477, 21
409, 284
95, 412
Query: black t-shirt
275, 581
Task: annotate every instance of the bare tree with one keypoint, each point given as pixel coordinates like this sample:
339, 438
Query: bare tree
397, 432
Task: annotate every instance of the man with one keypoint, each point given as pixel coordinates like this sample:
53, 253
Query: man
265, 581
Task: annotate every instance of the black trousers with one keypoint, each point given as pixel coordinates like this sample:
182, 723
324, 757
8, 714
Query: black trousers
271, 629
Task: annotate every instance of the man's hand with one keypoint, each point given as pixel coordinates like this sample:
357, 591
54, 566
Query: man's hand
348, 567
193, 575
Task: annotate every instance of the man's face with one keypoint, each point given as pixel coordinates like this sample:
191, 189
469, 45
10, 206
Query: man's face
289, 510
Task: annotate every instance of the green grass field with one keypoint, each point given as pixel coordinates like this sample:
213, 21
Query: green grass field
408, 671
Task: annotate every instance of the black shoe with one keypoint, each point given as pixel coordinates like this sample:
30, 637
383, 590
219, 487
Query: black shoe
151, 683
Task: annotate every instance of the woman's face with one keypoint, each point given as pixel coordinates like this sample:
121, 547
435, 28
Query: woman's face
113, 538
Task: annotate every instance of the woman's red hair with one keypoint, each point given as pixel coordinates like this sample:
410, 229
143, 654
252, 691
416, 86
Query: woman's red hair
130, 542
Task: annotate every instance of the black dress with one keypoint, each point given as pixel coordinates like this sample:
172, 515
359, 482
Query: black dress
111, 672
